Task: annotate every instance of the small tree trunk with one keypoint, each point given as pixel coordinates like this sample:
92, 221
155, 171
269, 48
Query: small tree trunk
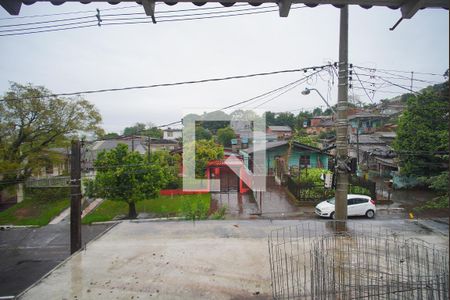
132, 210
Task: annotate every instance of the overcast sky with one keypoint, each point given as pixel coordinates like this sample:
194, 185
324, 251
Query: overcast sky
118, 56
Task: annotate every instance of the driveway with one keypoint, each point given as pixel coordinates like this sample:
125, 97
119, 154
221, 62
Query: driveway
272, 203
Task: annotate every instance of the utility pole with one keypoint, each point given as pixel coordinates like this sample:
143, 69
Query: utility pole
342, 122
75, 197
357, 142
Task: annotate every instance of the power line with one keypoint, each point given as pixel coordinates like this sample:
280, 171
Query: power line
197, 18
259, 96
180, 10
217, 79
365, 91
53, 26
48, 21
168, 18
398, 77
291, 88
123, 14
399, 71
69, 13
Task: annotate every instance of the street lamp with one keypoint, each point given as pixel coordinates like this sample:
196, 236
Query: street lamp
307, 91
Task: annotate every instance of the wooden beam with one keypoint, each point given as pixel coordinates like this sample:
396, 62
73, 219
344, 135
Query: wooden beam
410, 8
11, 6
149, 8
284, 6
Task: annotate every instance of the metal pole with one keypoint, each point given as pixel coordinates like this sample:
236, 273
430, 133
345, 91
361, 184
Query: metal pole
357, 143
342, 122
75, 197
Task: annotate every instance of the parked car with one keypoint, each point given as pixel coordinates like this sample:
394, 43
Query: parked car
357, 205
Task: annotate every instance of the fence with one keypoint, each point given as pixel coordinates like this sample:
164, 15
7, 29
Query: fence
307, 192
312, 262
355, 181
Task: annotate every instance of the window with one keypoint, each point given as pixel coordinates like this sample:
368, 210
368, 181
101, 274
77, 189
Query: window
360, 200
170, 134
304, 160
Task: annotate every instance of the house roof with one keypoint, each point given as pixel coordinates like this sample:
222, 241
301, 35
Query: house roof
366, 139
172, 130
268, 145
366, 116
280, 128
386, 134
111, 144
13, 6
391, 162
272, 145
326, 123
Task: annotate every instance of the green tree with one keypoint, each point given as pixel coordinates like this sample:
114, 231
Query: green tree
285, 119
171, 167
205, 151
422, 135
110, 135
149, 130
32, 120
127, 176
317, 111
270, 118
202, 133
302, 137
224, 136
136, 129
153, 131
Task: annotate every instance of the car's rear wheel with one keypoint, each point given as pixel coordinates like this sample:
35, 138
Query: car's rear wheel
332, 215
370, 214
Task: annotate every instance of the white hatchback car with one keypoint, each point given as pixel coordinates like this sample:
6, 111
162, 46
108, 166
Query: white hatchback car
357, 205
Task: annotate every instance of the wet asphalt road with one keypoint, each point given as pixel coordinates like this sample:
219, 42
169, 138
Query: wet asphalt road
26, 254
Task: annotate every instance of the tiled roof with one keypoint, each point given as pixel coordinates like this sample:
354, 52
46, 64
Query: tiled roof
280, 128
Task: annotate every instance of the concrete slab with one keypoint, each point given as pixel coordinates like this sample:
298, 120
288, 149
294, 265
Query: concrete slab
26, 254
183, 260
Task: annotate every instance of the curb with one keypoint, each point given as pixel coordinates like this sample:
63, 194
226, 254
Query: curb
4, 227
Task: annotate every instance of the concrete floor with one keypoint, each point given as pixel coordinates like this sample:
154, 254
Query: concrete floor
183, 260
27, 254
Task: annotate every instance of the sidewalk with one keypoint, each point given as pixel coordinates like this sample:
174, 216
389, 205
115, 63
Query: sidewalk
65, 213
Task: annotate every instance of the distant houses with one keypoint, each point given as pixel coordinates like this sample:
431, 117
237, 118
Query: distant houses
282, 132
366, 122
293, 153
319, 124
141, 144
374, 152
172, 134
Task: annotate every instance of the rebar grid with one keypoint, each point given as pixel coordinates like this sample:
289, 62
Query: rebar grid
350, 261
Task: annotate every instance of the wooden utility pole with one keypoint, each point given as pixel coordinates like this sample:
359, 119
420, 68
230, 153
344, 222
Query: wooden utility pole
75, 197
342, 122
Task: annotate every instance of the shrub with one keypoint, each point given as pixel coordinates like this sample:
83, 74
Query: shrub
194, 210
219, 214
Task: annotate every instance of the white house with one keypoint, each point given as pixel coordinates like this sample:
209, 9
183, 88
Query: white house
172, 134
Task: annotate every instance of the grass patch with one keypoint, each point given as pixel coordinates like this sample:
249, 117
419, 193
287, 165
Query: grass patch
161, 206
38, 208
